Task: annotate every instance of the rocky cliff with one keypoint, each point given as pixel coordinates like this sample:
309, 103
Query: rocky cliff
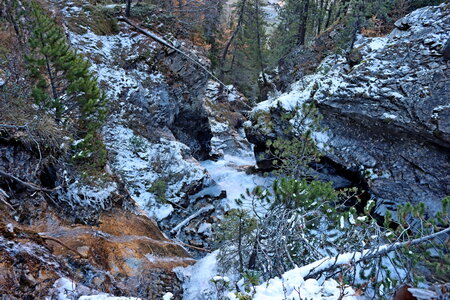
65, 234
387, 112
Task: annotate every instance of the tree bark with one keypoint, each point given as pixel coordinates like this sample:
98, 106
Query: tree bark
374, 253
128, 8
258, 33
303, 23
233, 36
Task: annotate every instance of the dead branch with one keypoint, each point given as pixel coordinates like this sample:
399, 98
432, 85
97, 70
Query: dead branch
62, 244
29, 185
194, 247
3, 197
169, 45
14, 126
369, 254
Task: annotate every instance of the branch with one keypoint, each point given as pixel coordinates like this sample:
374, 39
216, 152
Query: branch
3, 197
169, 45
14, 126
331, 263
29, 185
194, 247
62, 244
183, 223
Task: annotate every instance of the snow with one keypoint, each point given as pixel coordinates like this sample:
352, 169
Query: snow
292, 286
106, 297
96, 195
146, 163
377, 43
167, 296
227, 174
197, 283
389, 116
205, 228
66, 289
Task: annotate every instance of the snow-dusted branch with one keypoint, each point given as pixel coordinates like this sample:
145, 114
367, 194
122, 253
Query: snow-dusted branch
183, 223
169, 45
14, 126
331, 263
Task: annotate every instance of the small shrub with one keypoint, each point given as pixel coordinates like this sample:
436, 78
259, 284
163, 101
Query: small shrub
159, 188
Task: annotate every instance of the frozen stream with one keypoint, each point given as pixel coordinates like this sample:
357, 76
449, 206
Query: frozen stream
229, 173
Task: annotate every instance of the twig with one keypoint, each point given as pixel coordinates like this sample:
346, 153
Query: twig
62, 244
3, 197
194, 247
14, 126
175, 204
29, 185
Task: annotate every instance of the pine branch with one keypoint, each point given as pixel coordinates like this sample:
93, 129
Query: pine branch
323, 266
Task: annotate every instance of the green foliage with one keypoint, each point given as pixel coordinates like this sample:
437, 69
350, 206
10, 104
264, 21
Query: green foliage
159, 188
293, 153
296, 194
62, 80
137, 143
237, 232
248, 52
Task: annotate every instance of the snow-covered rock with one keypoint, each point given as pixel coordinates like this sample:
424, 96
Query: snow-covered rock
388, 112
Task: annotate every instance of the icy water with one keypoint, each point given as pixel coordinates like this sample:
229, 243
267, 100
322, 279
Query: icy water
229, 173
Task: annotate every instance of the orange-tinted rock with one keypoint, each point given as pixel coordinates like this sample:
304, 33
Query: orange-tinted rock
127, 253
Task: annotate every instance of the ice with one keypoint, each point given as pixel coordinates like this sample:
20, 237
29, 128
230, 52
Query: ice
197, 278
227, 174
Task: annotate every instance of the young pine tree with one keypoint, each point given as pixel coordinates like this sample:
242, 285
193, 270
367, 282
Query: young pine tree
64, 84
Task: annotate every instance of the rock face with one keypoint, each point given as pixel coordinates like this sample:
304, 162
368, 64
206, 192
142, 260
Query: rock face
388, 115
43, 243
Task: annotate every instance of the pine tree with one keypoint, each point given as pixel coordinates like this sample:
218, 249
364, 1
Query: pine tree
60, 73
244, 55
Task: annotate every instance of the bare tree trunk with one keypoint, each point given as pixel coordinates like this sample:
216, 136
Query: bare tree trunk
303, 23
241, 259
260, 55
320, 16
128, 8
233, 36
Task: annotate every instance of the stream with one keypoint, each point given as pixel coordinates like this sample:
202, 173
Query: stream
234, 173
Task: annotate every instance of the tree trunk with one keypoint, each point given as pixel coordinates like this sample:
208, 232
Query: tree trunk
241, 260
128, 8
230, 41
303, 23
320, 16
258, 33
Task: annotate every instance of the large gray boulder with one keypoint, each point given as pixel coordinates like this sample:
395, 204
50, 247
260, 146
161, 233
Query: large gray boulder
388, 115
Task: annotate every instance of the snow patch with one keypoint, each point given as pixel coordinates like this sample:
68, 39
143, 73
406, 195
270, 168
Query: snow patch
143, 164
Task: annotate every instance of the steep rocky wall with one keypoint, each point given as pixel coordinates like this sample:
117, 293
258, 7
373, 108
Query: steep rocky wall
388, 114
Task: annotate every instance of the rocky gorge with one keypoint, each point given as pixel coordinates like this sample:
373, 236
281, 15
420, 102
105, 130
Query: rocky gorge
386, 114
181, 147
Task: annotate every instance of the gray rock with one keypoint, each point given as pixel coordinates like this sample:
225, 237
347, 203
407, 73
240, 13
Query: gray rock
388, 116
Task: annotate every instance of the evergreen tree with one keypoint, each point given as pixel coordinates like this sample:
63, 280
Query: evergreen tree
244, 55
64, 83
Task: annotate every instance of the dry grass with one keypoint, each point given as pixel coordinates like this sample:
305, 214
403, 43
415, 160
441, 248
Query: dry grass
101, 20
41, 130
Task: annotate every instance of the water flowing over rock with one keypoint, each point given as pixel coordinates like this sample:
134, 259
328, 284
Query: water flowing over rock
388, 115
